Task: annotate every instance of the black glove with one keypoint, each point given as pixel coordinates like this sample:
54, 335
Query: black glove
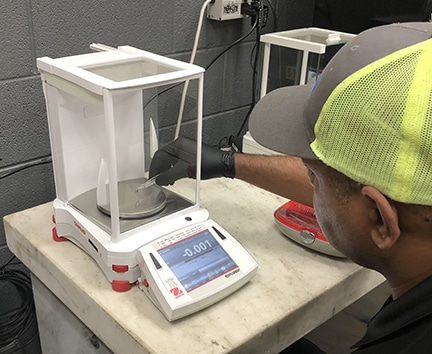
177, 160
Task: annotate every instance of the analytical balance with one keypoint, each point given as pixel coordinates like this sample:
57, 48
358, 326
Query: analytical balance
108, 112
297, 221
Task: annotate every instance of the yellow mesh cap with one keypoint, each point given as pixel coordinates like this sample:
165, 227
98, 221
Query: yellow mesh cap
376, 125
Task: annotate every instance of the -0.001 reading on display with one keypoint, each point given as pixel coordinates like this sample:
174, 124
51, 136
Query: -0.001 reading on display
197, 259
197, 248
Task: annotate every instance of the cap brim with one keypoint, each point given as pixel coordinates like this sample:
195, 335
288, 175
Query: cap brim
277, 121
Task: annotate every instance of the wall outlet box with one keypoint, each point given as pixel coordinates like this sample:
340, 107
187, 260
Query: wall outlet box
222, 10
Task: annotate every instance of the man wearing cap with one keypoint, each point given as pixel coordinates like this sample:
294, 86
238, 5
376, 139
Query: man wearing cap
359, 146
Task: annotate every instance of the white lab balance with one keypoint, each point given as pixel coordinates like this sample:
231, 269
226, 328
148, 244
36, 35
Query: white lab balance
108, 111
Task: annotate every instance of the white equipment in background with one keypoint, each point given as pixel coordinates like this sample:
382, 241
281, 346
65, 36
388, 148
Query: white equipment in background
301, 56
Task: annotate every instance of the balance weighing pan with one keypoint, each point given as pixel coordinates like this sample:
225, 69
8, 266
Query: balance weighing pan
135, 202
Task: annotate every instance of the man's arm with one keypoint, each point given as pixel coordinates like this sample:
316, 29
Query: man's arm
283, 175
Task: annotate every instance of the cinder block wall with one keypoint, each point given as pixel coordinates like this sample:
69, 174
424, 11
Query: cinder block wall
57, 28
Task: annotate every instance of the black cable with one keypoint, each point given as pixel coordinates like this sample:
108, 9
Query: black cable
231, 45
256, 49
45, 159
160, 93
275, 18
241, 39
7, 263
14, 323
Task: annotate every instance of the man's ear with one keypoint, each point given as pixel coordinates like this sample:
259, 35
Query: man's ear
386, 230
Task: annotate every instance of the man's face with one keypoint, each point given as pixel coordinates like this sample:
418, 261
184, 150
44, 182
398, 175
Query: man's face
339, 211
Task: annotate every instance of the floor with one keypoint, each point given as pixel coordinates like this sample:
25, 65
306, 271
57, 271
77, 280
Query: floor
340, 332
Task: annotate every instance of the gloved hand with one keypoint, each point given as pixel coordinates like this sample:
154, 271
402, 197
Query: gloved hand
177, 160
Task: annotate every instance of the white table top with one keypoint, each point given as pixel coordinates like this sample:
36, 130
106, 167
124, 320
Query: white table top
294, 291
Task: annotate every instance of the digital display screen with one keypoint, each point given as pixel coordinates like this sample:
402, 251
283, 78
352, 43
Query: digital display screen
197, 260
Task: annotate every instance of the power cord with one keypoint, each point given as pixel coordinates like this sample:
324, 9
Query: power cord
208, 66
259, 15
23, 166
275, 18
260, 12
241, 39
14, 323
255, 10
